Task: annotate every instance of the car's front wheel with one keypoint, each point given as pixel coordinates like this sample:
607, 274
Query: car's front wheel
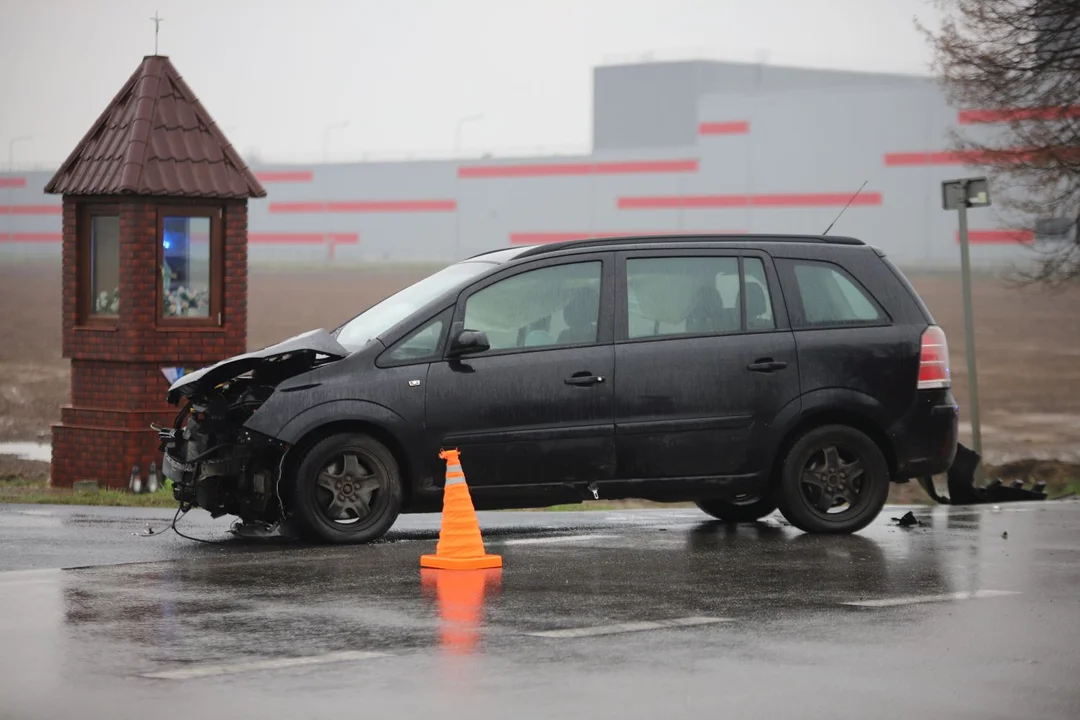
347, 489
834, 479
743, 509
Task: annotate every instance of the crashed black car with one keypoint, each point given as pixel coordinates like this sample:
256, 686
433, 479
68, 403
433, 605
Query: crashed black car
745, 373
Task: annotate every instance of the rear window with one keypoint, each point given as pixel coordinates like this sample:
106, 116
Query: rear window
829, 296
691, 295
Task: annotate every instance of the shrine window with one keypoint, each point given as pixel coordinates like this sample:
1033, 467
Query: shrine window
190, 271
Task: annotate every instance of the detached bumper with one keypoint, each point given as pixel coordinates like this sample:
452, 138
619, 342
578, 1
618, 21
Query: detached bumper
925, 439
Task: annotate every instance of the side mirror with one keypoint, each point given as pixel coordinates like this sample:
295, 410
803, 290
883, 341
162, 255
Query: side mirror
469, 342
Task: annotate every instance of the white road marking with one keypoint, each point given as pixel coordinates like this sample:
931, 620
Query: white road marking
555, 539
916, 599
273, 664
628, 627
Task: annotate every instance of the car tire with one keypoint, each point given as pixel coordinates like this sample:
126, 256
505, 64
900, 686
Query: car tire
347, 489
740, 510
826, 465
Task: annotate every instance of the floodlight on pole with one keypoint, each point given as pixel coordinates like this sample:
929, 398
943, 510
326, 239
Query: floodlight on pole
457, 198
460, 125
326, 136
959, 195
11, 149
11, 168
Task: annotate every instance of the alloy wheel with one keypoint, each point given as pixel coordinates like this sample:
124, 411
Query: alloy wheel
831, 482
349, 488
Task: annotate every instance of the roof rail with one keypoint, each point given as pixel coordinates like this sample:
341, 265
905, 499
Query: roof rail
661, 238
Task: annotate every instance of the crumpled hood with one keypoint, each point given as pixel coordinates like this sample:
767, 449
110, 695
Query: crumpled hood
317, 341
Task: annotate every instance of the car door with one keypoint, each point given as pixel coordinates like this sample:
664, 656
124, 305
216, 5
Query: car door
535, 408
706, 360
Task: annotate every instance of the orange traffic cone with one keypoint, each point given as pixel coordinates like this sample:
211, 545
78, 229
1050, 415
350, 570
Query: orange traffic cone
460, 545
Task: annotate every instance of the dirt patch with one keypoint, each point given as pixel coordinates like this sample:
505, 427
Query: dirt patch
1028, 345
16, 470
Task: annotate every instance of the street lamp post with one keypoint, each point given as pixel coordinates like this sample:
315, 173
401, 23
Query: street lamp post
457, 203
326, 136
10, 188
457, 130
11, 150
960, 195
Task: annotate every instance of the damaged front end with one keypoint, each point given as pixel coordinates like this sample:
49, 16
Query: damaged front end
212, 459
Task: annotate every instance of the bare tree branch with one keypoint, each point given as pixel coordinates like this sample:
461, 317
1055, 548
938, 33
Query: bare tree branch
1015, 66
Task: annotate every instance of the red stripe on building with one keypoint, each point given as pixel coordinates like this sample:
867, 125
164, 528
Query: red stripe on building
590, 168
303, 238
732, 127
53, 209
12, 182
368, 206
297, 207
287, 238
999, 237
932, 158
285, 176
541, 238
790, 200
1002, 115
365, 206
816, 200
960, 157
31, 237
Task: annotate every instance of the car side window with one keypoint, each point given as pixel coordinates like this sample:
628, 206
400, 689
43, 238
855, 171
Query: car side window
421, 344
552, 306
830, 297
759, 311
689, 295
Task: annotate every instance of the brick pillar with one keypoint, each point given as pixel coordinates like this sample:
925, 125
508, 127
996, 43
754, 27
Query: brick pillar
117, 387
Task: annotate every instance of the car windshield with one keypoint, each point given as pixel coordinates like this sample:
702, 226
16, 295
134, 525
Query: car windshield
382, 316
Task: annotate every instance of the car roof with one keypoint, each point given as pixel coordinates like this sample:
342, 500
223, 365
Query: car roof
505, 255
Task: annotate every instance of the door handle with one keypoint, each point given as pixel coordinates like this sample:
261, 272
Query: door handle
582, 379
766, 365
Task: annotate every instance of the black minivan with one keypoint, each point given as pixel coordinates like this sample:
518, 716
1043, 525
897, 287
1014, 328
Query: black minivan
744, 373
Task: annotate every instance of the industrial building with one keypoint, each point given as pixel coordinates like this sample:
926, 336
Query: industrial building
678, 147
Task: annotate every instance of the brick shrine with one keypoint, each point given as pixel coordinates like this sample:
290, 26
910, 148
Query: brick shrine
154, 269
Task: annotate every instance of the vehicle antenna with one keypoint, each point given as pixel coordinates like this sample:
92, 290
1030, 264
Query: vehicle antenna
845, 207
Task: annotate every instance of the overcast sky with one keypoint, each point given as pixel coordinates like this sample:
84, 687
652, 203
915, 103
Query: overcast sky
275, 74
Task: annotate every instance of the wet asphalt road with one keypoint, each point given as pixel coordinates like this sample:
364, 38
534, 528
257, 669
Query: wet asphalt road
748, 621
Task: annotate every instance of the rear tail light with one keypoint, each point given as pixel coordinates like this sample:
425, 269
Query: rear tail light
934, 360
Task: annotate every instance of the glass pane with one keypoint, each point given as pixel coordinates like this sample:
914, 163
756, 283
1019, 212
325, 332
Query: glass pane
421, 345
105, 264
684, 295
553, 306
830, 298
185, 267
759, 314
382, 316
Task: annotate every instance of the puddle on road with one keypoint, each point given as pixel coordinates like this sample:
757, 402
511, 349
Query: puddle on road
41, 452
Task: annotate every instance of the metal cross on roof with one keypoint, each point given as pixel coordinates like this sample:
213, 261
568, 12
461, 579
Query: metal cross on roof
157, 26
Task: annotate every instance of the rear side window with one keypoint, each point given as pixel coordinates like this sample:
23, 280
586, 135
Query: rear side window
829, 296
759, 312
694, 296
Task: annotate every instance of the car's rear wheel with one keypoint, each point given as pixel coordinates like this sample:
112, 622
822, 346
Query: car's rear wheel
347, 490
741, 509
834, 479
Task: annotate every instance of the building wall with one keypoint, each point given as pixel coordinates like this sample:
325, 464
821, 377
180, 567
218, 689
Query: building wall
655, 104
680, 147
